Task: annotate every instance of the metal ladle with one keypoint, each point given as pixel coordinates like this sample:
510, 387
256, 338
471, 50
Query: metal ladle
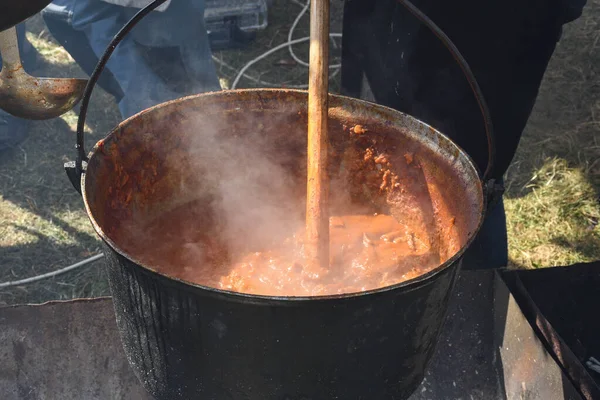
25, 96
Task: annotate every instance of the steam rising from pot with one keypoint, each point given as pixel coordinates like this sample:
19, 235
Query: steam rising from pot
223, 203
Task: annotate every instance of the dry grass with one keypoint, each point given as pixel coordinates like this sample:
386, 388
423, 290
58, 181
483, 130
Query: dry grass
553, 185
556, 223
554, 182
43, 226
47, 48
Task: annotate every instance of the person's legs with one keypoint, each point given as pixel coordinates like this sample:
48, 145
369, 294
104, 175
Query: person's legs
13, 130
58, 21
197, 56
141, 87
99, 22
490, 247
182, 26
507, 44
140, 84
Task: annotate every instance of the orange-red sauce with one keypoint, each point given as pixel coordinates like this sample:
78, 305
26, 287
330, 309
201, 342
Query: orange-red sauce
367, 252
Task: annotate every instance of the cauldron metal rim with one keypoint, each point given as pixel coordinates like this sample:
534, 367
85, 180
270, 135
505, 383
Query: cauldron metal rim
407, 285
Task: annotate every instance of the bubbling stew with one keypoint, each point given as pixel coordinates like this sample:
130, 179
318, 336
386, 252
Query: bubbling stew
240, 227
366, 252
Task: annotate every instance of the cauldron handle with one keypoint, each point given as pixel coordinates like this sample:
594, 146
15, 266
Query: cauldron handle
76, 168
493, 190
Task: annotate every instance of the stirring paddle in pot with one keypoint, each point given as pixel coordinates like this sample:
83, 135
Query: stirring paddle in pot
317, 196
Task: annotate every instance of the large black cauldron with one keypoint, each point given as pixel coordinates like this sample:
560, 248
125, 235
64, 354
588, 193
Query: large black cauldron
188, 341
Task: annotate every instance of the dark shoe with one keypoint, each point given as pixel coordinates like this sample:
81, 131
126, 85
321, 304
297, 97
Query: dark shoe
13, 131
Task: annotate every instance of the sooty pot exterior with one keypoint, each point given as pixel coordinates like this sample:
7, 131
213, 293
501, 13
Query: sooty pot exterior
185, 342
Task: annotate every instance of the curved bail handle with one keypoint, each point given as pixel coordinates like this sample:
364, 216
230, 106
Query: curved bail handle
76, 168
493, 190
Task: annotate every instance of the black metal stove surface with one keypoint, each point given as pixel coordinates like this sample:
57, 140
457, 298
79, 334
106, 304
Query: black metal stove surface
561, 303
488, 350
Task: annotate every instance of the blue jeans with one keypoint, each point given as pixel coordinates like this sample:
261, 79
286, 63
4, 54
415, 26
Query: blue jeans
140, 85
13, 130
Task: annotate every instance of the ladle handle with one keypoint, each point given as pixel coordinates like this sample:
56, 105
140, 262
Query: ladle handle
9, 48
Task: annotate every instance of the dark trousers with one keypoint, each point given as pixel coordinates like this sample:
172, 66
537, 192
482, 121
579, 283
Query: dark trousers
507, 43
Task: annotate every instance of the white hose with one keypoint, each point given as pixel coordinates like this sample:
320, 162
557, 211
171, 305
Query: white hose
256, 80
289, 45
593, 364
291, 36
51, 274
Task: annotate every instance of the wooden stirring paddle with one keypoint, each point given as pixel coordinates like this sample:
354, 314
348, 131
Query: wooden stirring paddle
317, 195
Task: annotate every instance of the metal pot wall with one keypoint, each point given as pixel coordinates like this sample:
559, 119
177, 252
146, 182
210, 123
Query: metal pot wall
188, 341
